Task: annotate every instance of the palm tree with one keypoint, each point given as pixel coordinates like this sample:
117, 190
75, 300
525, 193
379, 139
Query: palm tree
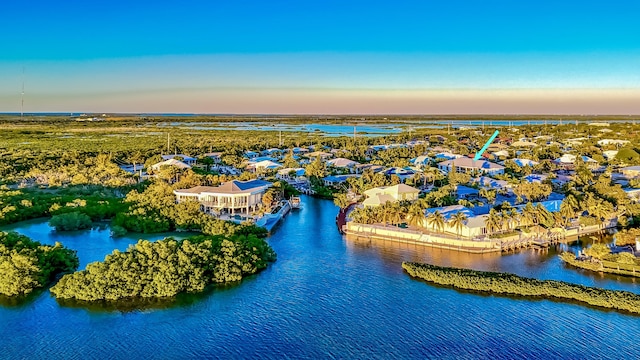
415, 215
457, 221
492, 221
529, 214
436, 220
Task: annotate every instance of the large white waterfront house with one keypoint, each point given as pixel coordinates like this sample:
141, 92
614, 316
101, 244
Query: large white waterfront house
231, 197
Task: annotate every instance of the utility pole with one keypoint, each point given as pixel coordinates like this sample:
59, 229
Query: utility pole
22, 97
354, 134
168, 144
280, 141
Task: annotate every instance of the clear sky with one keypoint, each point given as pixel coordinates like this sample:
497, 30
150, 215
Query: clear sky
366, 57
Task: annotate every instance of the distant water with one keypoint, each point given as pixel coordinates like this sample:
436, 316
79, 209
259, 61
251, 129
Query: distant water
327, 297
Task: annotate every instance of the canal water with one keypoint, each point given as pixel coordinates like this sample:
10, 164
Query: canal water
326, 297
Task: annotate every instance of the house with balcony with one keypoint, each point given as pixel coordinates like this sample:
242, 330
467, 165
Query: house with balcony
232, 197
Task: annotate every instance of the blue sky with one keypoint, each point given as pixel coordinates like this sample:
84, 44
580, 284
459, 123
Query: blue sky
321, 56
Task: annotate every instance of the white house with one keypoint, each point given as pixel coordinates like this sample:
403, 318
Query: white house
189, 160
264, 165
467, 165
291, 174
568, 161
171, 162
380, 195
342, 163
231, 197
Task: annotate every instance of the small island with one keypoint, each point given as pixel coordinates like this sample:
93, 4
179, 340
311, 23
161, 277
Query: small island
26, 265
511, 284
167, 267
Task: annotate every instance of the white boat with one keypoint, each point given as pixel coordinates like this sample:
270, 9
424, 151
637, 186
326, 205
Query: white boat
295, 202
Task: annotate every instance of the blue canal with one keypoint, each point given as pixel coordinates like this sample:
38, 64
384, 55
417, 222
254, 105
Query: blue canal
325, 297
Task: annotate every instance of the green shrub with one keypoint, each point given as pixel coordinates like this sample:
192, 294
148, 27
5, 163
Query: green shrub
70, 221
167, 267
26, 264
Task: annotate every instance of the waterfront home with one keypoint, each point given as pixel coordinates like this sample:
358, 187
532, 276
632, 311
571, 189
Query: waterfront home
231, 197
567, 161
380, 195
342, 163
468, 165
474, 226
630, 172
184, 158
171, 162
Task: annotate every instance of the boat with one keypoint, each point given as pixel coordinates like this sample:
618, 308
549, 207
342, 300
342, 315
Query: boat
295, 202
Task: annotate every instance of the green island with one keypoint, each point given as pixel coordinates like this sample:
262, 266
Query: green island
26, 265
511, 284
166, 268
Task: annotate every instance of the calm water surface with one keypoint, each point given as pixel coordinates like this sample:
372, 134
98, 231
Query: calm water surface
326, 297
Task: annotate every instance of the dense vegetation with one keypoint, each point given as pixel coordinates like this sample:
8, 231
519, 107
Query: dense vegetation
97, 202
167, 267
70, 221
510, 284
26, 264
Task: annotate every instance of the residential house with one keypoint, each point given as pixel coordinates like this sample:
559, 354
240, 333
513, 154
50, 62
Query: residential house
231, 197
567, 161
171, 162
630, 172
380, 195
185, 158
342, 163
335, 180
469, 165
291, 174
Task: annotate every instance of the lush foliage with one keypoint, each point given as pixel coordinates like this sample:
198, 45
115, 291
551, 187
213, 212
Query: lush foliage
26, 264
167, 267
627, 237
70, 221
510, 284
23, 204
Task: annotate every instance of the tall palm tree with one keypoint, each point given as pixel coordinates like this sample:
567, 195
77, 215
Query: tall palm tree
436, 220
415, 215
492, 221
457, 221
